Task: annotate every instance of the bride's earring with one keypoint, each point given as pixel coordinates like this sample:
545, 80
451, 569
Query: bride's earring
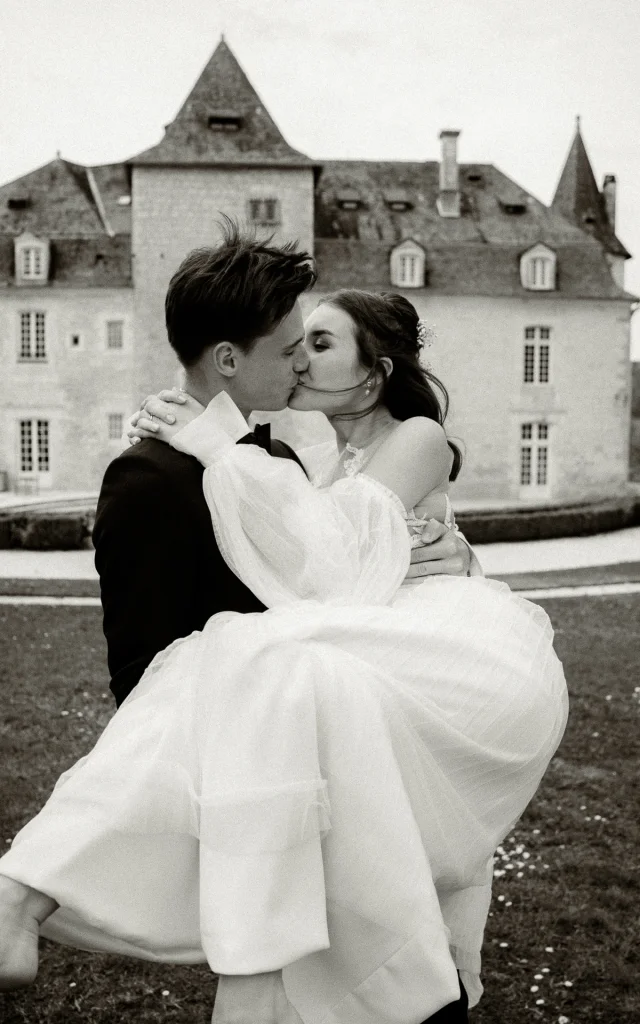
370, 382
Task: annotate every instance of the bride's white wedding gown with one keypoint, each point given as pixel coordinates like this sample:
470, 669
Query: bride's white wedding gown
312, 794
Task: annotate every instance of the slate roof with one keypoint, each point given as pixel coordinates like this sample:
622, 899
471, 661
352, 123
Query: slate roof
59, 203
89, 231
475, 254
467, 268
579, 199
485, 191
78, 262
223, 89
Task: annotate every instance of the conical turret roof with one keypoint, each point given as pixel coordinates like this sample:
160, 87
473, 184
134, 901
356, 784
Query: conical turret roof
223, 121
579, 199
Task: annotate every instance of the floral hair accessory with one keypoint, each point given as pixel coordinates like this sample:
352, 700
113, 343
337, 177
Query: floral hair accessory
425, 334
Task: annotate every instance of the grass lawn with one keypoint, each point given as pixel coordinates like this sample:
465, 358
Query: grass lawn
563, 938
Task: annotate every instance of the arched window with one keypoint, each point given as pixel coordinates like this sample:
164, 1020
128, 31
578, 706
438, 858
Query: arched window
407, 265
538, 269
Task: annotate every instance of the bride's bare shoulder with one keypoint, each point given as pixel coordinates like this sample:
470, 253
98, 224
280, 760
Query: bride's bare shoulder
418, 435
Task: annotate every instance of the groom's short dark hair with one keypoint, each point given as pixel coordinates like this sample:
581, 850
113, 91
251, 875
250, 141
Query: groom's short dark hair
238, 291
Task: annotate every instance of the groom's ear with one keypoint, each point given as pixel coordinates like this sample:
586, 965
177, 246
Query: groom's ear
225, 358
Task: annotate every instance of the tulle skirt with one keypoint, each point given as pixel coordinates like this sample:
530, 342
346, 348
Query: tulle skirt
312, 795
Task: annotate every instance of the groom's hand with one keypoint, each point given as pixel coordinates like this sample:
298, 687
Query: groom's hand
442, 551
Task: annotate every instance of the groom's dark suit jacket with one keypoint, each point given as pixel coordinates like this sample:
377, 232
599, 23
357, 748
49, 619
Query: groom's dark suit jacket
161, 573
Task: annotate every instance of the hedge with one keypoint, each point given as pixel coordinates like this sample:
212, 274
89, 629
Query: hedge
72, 530
545, 522
45, 532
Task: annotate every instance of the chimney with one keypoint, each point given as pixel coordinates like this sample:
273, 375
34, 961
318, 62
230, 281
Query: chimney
609, 194
448, 202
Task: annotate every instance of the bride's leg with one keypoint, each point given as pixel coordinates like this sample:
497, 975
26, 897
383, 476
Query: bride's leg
22, 911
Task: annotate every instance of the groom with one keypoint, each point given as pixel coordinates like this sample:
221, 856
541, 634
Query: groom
234, 321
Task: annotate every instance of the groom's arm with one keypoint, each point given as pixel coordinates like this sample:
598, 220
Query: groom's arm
145, 565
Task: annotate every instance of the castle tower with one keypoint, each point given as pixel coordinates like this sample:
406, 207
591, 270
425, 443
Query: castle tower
223, 154
579, 199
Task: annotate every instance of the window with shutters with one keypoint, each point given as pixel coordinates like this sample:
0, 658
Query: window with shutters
263, 211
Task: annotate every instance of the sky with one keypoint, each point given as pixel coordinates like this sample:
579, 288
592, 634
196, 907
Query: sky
97, 80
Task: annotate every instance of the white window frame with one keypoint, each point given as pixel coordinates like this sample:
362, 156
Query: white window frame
31, 256
109, 338
536, 362
115, 426
32, 336
34, 448
534, 458
538, 269
32, 259
407, 265
263, 210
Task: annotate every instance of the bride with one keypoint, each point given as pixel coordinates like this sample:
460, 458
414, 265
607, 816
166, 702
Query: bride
309, 798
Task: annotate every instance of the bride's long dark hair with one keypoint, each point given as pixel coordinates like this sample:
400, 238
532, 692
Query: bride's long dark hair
386, 324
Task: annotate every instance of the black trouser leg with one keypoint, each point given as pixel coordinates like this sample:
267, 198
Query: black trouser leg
453, 1013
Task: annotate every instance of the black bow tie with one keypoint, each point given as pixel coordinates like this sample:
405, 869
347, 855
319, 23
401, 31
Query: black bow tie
261, 435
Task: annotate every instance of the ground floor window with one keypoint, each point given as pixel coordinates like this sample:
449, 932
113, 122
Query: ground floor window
34, 446
534, 454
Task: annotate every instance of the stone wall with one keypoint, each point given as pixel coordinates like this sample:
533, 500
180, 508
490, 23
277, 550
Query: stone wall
178, 209
75, 388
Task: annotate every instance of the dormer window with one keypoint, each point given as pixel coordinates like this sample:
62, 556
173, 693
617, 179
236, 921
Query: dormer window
224, 121
31, 259
18, 203
398, 201
407, 265
538, 269
513, 207
349, 199
263, 211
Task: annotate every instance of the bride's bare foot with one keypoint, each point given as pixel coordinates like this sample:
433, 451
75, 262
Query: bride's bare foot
22, 911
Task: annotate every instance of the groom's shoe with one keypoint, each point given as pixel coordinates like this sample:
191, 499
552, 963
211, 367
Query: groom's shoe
452, 1013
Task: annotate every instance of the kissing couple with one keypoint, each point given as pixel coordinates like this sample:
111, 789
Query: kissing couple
328, 717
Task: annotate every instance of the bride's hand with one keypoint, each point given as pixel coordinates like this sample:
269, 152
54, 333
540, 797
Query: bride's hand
442, 551
163, 415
